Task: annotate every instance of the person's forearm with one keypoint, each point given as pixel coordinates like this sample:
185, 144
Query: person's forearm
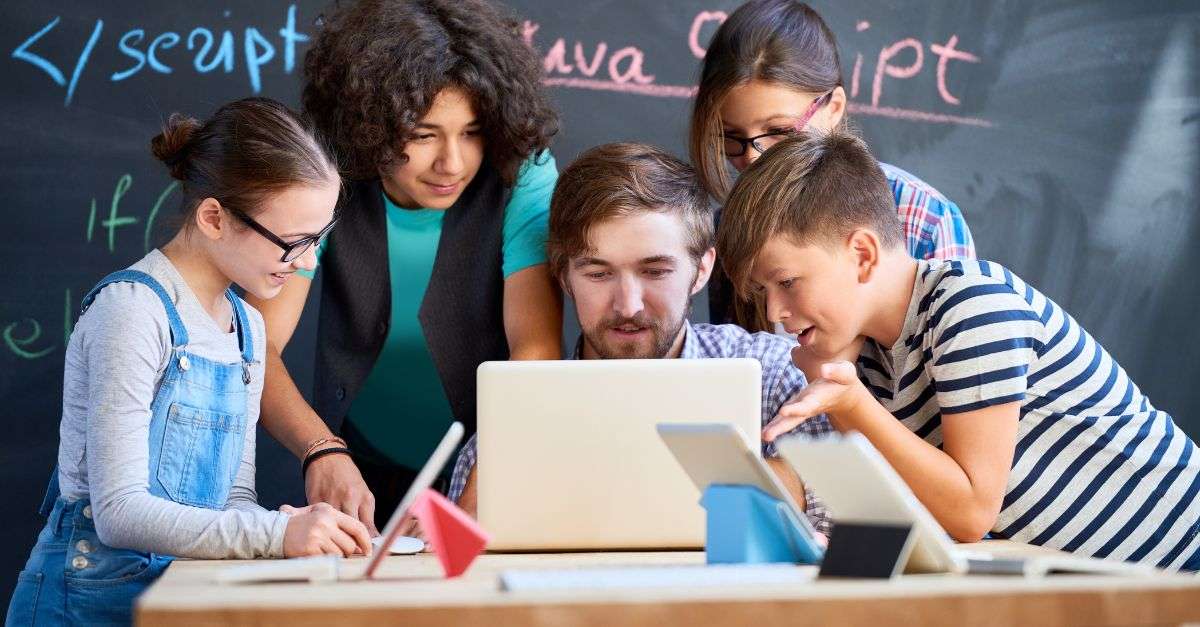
790, 480
936, 479
533, 315
285, 415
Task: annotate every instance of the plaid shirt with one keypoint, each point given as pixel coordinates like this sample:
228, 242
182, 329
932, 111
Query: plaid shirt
780, 382
934, 227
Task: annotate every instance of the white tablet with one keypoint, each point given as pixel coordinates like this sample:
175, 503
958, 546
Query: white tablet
424, 479
720, 453
858, 485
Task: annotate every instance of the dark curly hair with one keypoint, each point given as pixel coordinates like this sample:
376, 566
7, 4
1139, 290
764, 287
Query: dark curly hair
377, 65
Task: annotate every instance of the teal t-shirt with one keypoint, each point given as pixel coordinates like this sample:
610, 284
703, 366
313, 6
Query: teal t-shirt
402, 408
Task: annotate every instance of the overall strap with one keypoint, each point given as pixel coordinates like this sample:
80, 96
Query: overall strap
179, 336
52, 493
245, 334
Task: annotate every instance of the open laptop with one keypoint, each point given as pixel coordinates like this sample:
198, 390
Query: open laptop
569, 457
858, 485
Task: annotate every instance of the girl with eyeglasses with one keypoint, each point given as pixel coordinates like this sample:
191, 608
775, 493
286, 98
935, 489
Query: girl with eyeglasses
772, 69
164, 373
437, 112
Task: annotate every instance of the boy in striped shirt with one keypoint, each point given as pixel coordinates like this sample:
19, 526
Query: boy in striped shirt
1000, 412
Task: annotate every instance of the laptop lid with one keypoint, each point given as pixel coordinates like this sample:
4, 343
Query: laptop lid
569, 457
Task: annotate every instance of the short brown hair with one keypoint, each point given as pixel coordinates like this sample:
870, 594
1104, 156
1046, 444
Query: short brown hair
814, 188
248, 150
621, 179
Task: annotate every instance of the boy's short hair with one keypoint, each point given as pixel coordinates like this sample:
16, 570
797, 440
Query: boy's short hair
816, 188
622, 179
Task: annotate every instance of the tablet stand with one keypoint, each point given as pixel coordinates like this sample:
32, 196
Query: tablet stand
452, 534
867, 550
747, 526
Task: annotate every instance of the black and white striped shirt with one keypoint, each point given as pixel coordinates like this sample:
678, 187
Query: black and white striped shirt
1097, 469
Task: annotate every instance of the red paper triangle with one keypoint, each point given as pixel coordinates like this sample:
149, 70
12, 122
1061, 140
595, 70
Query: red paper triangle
452, 534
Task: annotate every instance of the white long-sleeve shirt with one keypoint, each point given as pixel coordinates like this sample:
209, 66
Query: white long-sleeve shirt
115, 362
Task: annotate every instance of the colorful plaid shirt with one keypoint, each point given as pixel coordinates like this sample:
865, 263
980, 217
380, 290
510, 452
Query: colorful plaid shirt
934, 227
781, 380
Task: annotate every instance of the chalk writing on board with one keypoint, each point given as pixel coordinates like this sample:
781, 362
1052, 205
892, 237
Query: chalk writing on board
596, 66
24, 337
575, 65
115, 219
140, 50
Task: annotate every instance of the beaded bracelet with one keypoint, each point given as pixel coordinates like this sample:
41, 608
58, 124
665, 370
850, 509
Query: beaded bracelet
340, 450
332, 439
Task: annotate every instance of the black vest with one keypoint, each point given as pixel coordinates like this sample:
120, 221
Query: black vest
461, 314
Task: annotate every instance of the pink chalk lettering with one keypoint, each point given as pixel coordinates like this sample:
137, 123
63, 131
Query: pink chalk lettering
883, 66
945, 53
626, 73
581, 61
656, 91
854, 77
633, 72
912, 115
698, 23
858, 59
556, 59
527, 31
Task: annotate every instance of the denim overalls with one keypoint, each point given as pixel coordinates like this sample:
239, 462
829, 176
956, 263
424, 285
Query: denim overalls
197, 432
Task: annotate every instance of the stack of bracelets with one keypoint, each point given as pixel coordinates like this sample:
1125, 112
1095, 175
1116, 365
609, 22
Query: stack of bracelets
311, 454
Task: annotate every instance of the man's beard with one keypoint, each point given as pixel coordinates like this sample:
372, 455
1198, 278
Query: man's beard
662, 337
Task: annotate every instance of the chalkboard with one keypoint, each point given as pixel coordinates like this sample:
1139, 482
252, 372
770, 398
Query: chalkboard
1068, 132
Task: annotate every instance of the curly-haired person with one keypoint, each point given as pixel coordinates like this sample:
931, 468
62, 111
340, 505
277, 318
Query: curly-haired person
437, 114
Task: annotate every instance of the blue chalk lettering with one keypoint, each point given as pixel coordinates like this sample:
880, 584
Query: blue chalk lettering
22, 52
164, 41
83, 59
290, 39
126, 46
198, 62
255, 59
224, 53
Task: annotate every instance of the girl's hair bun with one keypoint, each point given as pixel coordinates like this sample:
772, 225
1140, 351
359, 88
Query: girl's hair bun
172, 144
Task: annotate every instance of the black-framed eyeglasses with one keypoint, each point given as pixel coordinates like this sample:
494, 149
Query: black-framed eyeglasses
737, 146
291, 250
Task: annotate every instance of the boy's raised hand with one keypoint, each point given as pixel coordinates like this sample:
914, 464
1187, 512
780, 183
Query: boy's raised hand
835, 392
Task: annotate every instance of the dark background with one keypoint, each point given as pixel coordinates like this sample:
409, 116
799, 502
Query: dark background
1073, 151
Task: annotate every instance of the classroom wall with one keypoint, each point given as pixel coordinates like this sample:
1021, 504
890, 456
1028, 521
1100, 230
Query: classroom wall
1068, 132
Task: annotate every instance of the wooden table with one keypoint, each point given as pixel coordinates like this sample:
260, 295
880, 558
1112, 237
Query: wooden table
413, 593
